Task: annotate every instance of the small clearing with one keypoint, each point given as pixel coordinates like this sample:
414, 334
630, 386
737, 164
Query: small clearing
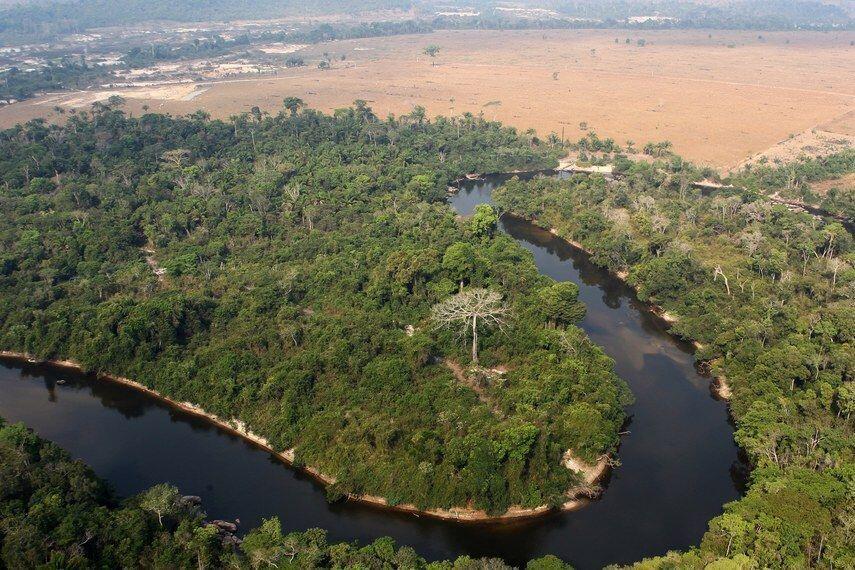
473, 382
159, 271
590, 473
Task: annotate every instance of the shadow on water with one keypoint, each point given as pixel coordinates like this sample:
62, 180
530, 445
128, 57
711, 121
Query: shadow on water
679, 463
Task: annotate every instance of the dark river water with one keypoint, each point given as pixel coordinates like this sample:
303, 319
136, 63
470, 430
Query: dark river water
679, 462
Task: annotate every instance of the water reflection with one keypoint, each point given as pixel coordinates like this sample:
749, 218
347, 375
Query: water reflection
679, 463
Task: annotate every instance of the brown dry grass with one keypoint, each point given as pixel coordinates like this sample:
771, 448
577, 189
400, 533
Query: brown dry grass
822, 188
717, 104
812, 142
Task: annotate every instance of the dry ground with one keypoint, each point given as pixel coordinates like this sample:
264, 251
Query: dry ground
719, 96
812, 142
822, 188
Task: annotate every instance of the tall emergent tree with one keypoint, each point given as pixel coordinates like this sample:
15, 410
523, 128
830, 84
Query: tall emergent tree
465, 310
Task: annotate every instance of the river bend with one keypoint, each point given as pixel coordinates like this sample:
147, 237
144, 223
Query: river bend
678, 464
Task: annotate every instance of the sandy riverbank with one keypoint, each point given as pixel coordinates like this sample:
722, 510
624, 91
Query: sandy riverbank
577, 496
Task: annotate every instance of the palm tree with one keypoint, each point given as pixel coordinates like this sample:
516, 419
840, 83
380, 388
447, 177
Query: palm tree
363, 111
293, 104
418, 114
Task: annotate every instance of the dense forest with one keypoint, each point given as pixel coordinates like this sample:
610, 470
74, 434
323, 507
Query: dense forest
302, 273
58, 514
47, 19
766, 292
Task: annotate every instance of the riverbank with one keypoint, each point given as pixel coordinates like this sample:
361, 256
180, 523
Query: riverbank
577, 496
719, 384
482, 176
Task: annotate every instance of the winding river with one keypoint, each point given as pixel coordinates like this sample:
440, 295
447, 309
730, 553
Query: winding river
679, 462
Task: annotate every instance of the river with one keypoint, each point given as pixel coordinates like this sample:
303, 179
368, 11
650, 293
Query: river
678, 463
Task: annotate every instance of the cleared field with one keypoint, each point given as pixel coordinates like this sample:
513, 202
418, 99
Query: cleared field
720, 97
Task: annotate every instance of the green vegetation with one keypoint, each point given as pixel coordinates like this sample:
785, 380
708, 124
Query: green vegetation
767, 292
432, 51
65, 73
793, 180
58, 514
18, 85
144, 56
51, 18
282, 270
216, 45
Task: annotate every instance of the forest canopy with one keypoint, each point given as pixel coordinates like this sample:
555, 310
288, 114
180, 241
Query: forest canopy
765, 290
282, 270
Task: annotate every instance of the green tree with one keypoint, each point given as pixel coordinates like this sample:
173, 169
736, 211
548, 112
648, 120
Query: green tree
265, 545
559, 303
432, 51
733, 527
484, 220
293, 104
549, 562
459, 260
161, 500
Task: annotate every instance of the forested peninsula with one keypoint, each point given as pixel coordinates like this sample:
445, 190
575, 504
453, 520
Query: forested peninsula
300, 274
765, 292
58, 514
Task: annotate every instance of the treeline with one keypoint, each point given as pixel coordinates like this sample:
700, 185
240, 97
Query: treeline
52, 18
794, 180
57, 514
738, 14
767, 293
217, 45
138, 57
17, 85
282, 270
